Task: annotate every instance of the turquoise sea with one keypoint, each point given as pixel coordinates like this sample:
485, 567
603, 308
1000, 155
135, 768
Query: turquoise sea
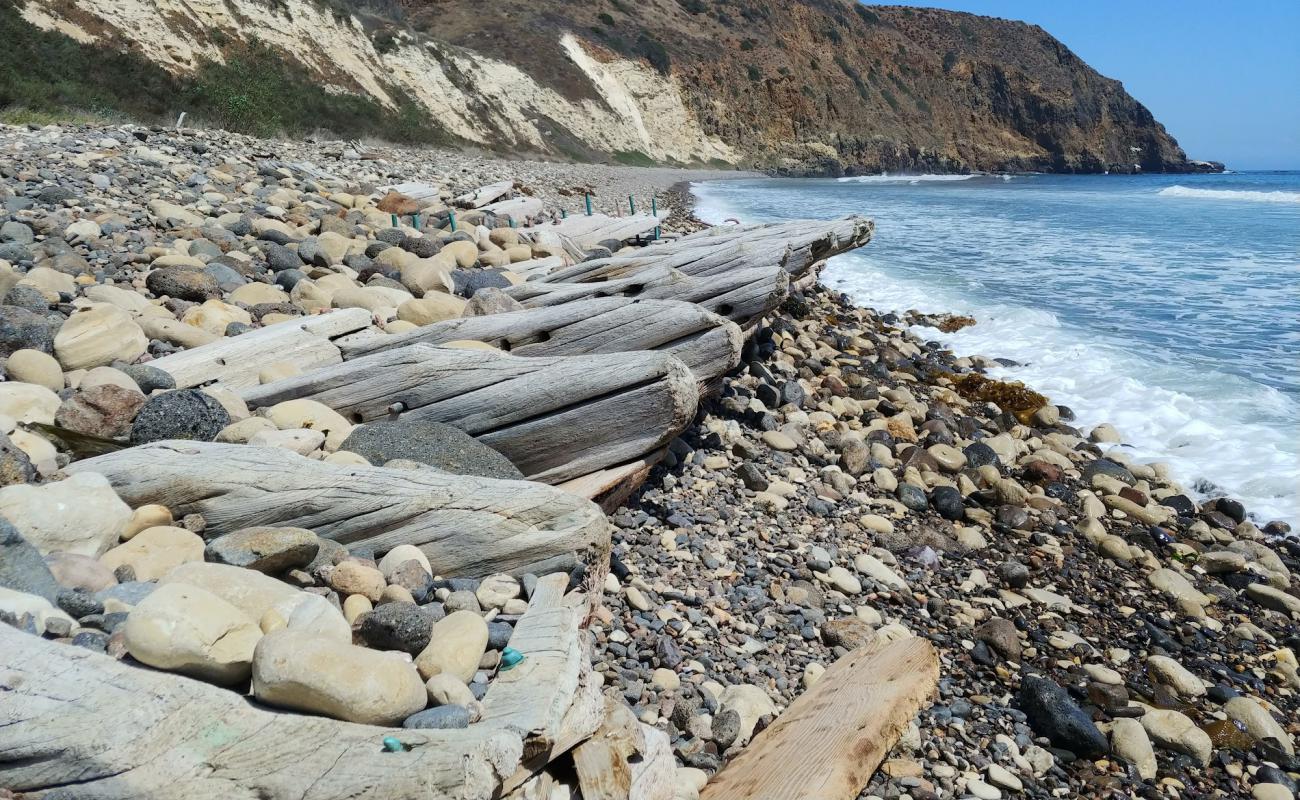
1167, 305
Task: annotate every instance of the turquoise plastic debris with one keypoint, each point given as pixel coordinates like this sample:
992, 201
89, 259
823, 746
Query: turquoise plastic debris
510, 658
394, 745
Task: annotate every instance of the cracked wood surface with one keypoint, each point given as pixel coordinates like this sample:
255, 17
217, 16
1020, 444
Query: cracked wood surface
555, 418
706, 343
465, 524
79, 724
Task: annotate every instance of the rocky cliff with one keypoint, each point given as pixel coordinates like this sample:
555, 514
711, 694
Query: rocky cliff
826, 86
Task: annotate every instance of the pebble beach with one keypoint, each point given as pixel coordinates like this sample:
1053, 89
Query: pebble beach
1101, 631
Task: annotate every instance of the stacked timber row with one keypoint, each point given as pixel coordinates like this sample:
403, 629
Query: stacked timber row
380, 514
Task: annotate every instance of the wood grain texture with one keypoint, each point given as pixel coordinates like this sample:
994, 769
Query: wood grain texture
793, 246
742, 296
555, 418
706, 343
93, 727
588, 231
236, 360
830, 740
466, 525
603, 761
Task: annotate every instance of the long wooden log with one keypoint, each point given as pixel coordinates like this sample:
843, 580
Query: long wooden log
236, 360
706, 343
742, 296
829, 741
77, 724
555, 418
792, 246
465, 524
588, 231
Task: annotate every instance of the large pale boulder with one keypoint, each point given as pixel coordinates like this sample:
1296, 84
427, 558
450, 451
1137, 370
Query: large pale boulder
80, 515
33, 366
98, 336
213, 316
154, 552
456, 645
248, 590
1251, 713
189, 630
433, 307
176, 332
28, 402
293, 414
297, 670
751, 703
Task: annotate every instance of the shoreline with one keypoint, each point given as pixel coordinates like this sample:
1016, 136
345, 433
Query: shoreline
1206, 484
847, 485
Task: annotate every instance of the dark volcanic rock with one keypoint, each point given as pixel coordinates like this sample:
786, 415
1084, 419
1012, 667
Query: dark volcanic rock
1054, 714
21, 329
183, 414
183, 283
442, 446
396, 626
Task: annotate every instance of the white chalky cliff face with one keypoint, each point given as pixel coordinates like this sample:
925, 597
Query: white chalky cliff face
476, 98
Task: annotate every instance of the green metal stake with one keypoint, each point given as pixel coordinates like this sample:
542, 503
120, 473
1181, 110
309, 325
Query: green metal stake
564, 214
415, 221
394, 216
631, 205
587, 197
451, 215
512, 221
654, 209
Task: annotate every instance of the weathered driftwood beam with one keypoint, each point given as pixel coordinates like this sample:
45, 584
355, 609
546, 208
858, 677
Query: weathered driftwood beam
466, 525
830, 740
555, 418
742, 295
235, 361
74, 723
706, 343
792, 246
588, 231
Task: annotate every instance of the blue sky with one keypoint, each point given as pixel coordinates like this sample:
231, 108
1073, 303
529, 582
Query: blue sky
1224, 78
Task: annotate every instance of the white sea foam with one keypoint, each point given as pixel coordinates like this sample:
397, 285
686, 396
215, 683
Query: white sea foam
1230, 194
1219, 433
887, 178
1192, 427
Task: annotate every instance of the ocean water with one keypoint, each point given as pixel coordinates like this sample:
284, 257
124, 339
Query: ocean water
1166, 305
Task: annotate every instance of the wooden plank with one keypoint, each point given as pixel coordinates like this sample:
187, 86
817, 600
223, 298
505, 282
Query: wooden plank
831, 739
484, 195
236, 360
608, 488
519, 209
465, 524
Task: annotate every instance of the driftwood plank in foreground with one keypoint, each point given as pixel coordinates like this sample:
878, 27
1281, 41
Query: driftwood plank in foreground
466, 525
236, 360
77, 724
831, 739
741, 295
555, 418
706, 343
